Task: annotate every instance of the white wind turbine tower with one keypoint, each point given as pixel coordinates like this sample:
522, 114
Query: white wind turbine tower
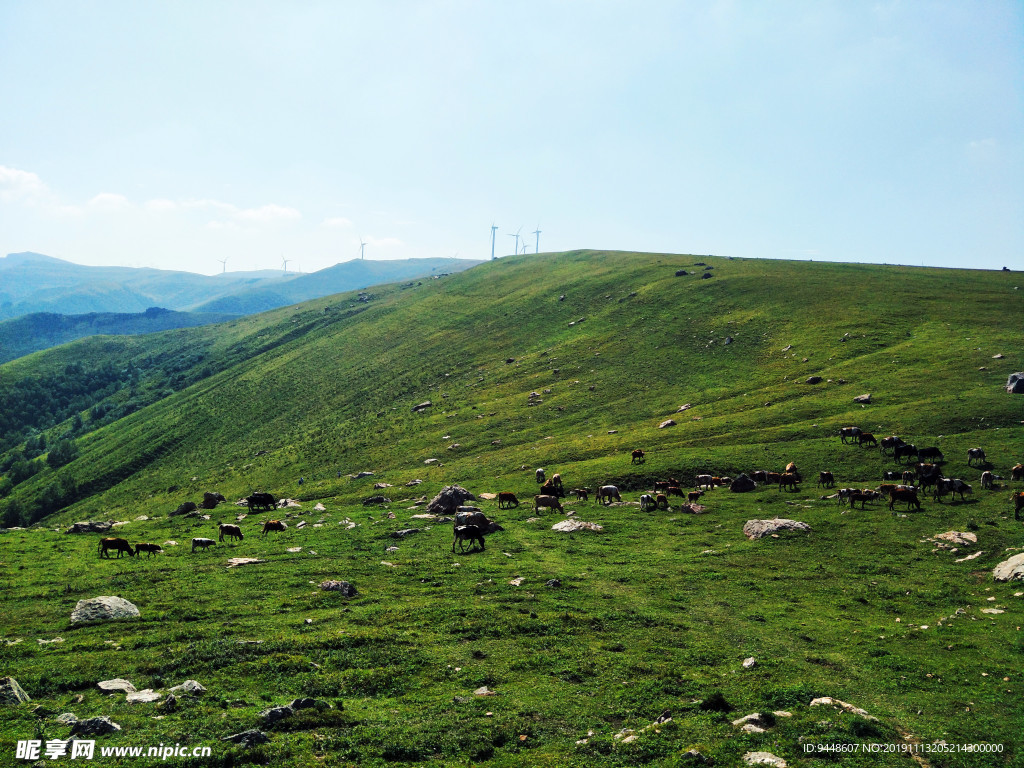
525, 245
493, 230
537, 233
362, 249
284, 263
224, 265
516, 236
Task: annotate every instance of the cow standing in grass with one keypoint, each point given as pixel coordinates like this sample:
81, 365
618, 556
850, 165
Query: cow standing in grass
121, 545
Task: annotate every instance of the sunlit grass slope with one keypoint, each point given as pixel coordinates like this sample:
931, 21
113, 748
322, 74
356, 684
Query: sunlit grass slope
655, 613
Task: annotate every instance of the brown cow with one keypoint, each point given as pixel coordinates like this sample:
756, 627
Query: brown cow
788, 480
849, 432
905, 495
975, 454
231, 531
866, 437
152, 549
273, 525
826, 480
638, 457
889, 443
545, 500
673, 490
694, 496
1017, 472
508, 499
109, 543
556, 481
471, 533
661, 501
1018, 504
550, 489
583, 494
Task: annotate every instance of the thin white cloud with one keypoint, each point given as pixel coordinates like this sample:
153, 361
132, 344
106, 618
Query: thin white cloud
161, 204
267, 214
336, 222
16, 184
109, 201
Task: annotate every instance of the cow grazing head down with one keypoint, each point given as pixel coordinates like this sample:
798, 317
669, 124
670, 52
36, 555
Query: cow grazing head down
121, 545
202, 544
273, 525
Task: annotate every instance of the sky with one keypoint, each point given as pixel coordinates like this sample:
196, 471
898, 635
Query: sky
214, 134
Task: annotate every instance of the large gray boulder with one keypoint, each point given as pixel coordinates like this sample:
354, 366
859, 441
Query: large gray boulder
755, 529
94, 726
742, 484
103, 608
448, 501
1010, 569
11, 694
1015, 383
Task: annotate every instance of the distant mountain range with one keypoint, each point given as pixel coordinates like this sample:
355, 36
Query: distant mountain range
41, 330
123, 300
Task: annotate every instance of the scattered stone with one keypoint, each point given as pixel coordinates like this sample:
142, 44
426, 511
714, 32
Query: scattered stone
813, 380
755, 722
1015, 383
518, 581
103, 608
749, 662
667, 423
94, 726
992, 610
275, 714
959, 538
67, 718
309, 703
294, 549
979, 553
1010, 569
361, 475
412, 483
94, 526
693, 757
234, 562
764, 758
319, 508
47, 642
190, 687
371, 500
344, 587
143, 697
829, 701
483, 690
685, 407
422, 406
865, 398
756, 529
553, 583
571, 526
448, 501
404, 532
185, 508
117, 684
248, 739
12, 694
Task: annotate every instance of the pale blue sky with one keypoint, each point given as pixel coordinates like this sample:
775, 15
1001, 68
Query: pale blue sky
175, 134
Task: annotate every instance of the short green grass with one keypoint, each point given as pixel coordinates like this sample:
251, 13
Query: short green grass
655, 613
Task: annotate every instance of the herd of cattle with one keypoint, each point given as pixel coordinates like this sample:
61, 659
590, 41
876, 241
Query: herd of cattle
471, 525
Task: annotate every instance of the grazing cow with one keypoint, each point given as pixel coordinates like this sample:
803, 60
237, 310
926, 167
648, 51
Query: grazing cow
788, 480
988, 481
929, 453
844, 494
773, 478
906, 496
550, 489
907, 449
759, 476
826, 480
477, 518
849, 432
1017, 472
203, 544
661, 485
109, 543
863, 497
261, 501
152, 549
273, 525
791, 467
892, 475
704, 481
545, 500
638, 457
952, 486
661, 501
231, 531
556, 481
928, 474
909, 477
866, 437
507, 500
673, 490
647, 503
606, 493
1018, 504
583, 494
723, 480
470, 533
540, 477
889, 443
975, 454
694, 496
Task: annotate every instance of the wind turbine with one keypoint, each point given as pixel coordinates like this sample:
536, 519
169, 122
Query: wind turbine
537, 233
516, 236
224, 262
525, 245
284, 263
493, 230
362, 249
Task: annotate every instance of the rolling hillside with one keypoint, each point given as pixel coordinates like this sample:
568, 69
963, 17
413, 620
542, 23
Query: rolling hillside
567, 362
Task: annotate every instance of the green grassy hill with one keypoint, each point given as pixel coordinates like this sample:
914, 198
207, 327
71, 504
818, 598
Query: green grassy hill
657, 612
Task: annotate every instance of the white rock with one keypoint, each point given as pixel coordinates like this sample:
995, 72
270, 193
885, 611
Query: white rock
117, 684
749, 662
103, 608
764, 758
146, 696
1010, 569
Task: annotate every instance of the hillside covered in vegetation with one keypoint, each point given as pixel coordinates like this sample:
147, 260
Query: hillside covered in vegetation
567, 362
